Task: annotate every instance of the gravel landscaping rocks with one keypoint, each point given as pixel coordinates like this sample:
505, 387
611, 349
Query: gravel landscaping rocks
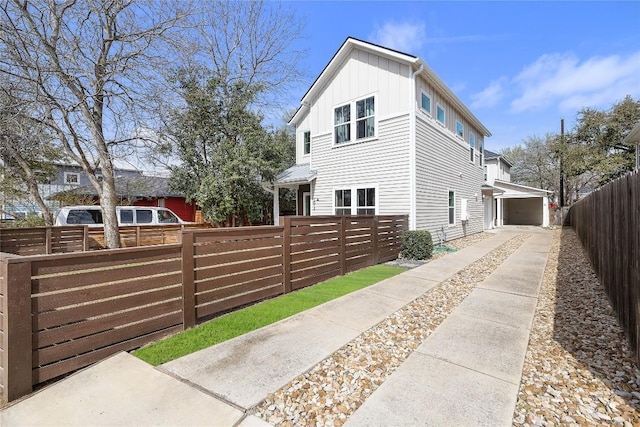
332, 390
579, 370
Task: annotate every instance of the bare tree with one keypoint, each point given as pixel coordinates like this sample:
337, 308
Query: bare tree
89, 70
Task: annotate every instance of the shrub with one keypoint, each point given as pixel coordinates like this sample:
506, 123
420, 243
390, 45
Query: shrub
416, 244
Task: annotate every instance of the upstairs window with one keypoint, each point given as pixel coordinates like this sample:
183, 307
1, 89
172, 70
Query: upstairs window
425, 103
472, 146
485, 173
459, 129
365, 118
440, 116
481, 152
72, 178
343, 202
342, 124
307, 142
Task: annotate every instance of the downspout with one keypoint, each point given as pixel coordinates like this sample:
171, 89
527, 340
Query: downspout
412, 151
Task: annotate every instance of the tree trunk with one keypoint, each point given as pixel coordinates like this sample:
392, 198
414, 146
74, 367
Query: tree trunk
108, 202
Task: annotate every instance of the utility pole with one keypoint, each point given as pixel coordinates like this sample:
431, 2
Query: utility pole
561, 157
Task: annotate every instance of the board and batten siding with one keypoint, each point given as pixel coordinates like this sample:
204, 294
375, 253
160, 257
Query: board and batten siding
442, 165
383, 162
362, 74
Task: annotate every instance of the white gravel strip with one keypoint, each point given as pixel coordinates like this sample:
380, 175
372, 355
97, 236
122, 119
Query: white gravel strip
332, 390
579, 370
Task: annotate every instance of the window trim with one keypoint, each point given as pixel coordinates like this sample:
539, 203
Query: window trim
306, 147
353, 122
449, 208
354, 198
425, 94
76, 174
348, 125
461, 125
444, 114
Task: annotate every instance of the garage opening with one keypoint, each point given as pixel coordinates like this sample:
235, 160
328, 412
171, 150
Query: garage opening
524, 211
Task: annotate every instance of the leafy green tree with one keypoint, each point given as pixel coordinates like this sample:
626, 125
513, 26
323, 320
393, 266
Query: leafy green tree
224, 152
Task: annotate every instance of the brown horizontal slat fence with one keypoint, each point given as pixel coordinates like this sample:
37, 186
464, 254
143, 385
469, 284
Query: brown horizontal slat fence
43, 240
607, 222
79, 308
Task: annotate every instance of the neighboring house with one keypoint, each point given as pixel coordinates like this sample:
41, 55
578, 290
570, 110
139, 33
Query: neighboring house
141, 190
378, 132
507, 203
67, 177
633, 138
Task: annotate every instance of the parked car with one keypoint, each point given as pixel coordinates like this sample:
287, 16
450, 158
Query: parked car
127, 215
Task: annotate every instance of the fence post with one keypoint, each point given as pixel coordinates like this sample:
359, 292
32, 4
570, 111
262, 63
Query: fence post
374, 240
188, 283
343, 245
137, 235
17, 330
47, 240
286, 254
85, 238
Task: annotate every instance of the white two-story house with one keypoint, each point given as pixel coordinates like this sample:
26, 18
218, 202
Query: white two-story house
508, 203
378, 132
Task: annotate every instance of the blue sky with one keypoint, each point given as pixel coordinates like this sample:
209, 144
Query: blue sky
519, 66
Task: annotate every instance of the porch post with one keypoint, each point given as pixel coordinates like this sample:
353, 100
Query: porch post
499, 213
276, 205
545, 211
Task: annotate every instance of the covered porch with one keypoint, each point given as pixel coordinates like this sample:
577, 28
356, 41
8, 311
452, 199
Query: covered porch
301, 179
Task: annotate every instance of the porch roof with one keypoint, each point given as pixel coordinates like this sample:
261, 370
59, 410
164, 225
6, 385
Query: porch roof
296, 174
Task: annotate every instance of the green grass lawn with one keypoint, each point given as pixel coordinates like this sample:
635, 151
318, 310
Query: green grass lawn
256, 316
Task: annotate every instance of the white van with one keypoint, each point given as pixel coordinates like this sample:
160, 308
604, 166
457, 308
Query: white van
127, 215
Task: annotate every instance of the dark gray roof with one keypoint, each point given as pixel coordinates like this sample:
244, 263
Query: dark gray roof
301, 173
132, 186
489, 155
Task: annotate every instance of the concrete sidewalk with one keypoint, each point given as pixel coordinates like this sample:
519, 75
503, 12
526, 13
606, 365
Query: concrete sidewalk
466, 373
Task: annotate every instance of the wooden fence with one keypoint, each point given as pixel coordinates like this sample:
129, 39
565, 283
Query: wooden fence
44, 240
607, 222
78, 238
62, 312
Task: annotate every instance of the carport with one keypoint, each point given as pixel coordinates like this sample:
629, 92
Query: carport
517, 204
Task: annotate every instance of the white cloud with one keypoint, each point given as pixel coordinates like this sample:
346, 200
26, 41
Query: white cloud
402, 36
564, 80
491, 95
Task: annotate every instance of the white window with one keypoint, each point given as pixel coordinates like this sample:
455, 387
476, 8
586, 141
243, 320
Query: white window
425, 102
459, 129
364, 125
365, 118
307, 142
365, 201
440, 116
485, 171
342, 124
452, 208
72, 178
472, 147
343, 202
481, 151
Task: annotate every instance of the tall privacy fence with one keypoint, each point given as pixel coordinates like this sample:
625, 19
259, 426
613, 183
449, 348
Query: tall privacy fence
607, 222
62, 312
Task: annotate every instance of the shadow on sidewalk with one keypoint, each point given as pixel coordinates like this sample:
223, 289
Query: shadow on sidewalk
585, 323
